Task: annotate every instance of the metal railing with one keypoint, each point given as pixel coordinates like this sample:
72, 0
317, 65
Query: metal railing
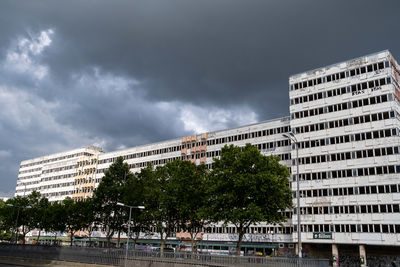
116, 257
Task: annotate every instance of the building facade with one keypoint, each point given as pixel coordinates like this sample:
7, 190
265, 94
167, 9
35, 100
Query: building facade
55, 176
346, 120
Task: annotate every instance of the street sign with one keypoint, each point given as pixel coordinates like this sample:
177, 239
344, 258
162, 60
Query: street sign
322, 235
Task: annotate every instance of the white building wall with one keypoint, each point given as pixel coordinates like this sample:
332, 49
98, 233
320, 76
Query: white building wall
348, 226
51, 175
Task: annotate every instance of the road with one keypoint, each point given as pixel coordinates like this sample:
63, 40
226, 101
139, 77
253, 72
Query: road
12, 265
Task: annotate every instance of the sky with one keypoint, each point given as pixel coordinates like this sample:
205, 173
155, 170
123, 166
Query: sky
117, 74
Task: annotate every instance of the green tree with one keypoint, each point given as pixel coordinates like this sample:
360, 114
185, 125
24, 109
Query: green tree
5, 229
174, 197
109, 215
55, 219
248, 188
189, 182
18, 214
39, 206
85, 214
73, 218
160, 197
133, 195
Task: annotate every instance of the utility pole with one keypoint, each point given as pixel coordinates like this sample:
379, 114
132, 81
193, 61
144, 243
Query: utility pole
293, 138
129, 226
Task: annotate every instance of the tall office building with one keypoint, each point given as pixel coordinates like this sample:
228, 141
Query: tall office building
346, 120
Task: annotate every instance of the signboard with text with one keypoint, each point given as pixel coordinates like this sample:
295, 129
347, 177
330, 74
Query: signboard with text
322, 235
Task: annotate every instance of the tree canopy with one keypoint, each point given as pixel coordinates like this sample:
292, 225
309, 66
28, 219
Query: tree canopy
108, 215
244, 188
247, 188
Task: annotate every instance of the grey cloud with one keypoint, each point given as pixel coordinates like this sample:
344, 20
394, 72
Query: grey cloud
204, 54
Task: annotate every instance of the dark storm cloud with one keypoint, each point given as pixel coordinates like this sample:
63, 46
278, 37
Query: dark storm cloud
129, 72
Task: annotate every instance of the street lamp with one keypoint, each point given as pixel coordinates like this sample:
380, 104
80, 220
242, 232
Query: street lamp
16, 221
293, 138
129, 226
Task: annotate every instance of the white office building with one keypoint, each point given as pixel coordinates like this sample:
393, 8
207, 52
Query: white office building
346, 120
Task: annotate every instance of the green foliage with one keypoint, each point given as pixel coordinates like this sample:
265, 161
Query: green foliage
248, 188
55, 218
133, 195
109, 216
243, 188
162, 216
5, 230
84, 213
189, 182
174, 196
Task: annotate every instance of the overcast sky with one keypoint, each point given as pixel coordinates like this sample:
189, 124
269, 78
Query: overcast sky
123, 73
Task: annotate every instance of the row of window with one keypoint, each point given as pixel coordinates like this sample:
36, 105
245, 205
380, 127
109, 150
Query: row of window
349, 191
52, 178
338, 91
31, 170
379, 170
86, 162
86, 171
342, 106
86, 189
233, 230
146, 163
350, 228
56, 159
27, 183
239, 137
210, 154
58, 194
351, 209
373, 85
345, 122
27, 191
349, 138
59, 169
28, 177
250, 230
83, 181
359, 154
263, 146
50, 186
222, 140
340, 75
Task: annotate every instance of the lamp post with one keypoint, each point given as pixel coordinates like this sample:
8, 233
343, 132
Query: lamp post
16, 220
293, 138
129, 226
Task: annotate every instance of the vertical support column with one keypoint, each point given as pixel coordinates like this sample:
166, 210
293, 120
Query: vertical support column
363, 256
335, 255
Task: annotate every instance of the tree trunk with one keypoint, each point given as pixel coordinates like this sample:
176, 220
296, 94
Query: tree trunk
90, 235
55, 238
162, 243
23, 238
72, 237
136, 239
37, 240
192, 239
119, 238
109, 236
239, 243
109, 241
